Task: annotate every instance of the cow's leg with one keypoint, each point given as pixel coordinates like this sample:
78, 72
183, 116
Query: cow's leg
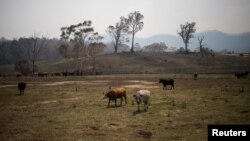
109, 103
138, 107
121, 100
125, 99
145, 106
115, 102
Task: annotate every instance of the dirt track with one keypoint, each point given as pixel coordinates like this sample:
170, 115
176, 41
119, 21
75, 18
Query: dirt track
130, 83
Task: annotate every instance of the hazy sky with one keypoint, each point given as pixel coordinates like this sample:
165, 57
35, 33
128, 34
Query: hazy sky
20, 18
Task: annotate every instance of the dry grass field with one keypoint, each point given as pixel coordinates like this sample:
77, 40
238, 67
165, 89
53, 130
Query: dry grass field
73, 108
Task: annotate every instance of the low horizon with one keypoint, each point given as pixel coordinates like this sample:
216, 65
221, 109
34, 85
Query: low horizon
150, 36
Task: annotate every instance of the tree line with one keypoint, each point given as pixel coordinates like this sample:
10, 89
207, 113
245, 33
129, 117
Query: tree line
79, 41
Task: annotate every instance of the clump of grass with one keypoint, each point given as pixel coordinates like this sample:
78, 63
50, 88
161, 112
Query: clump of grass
183, 105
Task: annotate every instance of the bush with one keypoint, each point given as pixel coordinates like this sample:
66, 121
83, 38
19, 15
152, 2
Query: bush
24, 67
182, 50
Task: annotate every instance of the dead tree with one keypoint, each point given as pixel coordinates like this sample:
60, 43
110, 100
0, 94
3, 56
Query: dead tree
201, 45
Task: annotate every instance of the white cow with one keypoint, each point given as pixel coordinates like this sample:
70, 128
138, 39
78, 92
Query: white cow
142, 96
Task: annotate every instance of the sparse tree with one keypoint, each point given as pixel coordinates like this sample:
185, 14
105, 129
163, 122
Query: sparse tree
201, 45
77, 34
24, 67
64, 50
181, 50
94, 48
34, 49
118, 33
208, 52
186, 33
135, 24
156, 47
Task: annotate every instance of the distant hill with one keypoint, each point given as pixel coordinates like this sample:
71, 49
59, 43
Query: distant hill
221, 41
214, 39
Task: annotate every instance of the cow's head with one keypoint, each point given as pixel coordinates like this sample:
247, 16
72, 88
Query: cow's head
138, 98
106, 92
104, 95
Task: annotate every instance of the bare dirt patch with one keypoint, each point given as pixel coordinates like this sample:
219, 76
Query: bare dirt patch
4, 86
129, 83
141, 84
74, 82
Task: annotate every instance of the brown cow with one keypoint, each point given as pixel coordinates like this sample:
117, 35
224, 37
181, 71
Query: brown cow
116, 93
42, 74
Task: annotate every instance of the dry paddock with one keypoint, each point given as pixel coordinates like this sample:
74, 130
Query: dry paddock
73, 108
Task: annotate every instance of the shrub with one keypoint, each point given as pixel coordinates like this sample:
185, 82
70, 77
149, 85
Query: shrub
24, 67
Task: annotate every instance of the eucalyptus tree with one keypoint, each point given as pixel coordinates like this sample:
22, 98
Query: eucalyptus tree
34, 46
118, 33
135, 24
201, 45
186, 33
77, 34
94, 48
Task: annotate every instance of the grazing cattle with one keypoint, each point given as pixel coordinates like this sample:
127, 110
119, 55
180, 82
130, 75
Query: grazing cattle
142, 96
166, 82
241, 74
116, 93
65, 74
21, 87
246, 73
18, 75
56, 74
42, 74
195, 75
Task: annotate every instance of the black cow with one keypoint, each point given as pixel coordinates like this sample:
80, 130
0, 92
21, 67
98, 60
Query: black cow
18, 75
21, 87
241, 74
166, 82
195, 75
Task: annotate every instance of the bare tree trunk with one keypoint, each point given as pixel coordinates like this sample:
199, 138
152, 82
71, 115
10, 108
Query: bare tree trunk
132, 47
33, 66
93, 70
116, 46
67, 66
186, 48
